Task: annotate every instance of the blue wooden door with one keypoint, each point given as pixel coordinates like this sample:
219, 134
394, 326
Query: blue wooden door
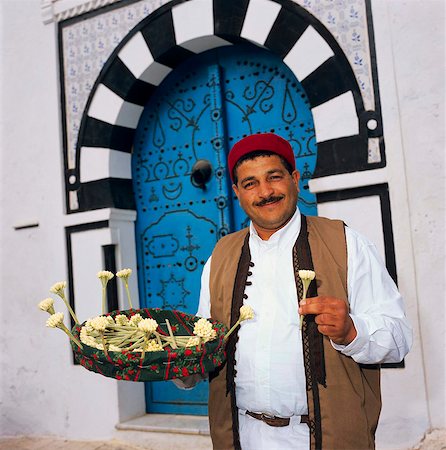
183, 192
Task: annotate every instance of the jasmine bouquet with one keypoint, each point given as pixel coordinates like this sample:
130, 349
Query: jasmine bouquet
148, 344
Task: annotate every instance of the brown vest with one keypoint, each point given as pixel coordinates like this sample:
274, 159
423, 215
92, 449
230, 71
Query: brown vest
344, 398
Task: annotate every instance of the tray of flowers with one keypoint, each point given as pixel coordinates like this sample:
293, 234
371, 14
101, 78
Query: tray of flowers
149, 344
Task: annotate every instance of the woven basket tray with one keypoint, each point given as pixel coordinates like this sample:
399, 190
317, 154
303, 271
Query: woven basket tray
160, 365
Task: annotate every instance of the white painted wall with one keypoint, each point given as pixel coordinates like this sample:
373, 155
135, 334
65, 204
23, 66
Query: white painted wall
414, 39
42, 393
419, 71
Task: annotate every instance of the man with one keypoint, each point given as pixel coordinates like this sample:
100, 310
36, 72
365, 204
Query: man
284, 386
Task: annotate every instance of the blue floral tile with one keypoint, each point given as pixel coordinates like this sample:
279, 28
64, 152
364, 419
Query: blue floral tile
87, 46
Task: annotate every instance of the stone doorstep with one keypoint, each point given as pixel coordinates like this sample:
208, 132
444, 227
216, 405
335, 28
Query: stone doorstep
167, 423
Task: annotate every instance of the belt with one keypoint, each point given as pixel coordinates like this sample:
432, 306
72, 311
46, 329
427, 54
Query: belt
274, 421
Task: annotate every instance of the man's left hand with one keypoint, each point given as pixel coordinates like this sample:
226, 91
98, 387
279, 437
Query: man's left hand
332, 318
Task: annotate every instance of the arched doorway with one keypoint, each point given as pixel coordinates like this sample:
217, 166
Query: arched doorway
181, 29
198, 112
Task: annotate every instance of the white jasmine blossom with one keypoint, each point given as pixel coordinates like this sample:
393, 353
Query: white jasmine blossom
246, 313
86, 338
148, 325
193, 341
83, 334
47, 305
114, 348
55, 320
99, 323
124, 275
204, 329
121, 319
306, 276
88, 326
153, 346
110, 320
58, 287
135, 319
105, 276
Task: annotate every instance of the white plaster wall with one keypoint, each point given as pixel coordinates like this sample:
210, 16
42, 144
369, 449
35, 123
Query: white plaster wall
417, 38
42, 392
411, 35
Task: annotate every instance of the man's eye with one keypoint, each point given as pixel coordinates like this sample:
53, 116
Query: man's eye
248, 185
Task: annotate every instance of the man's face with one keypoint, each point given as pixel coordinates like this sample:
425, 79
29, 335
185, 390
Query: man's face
267, 193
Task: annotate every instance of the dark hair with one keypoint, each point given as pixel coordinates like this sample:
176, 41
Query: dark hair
253, 155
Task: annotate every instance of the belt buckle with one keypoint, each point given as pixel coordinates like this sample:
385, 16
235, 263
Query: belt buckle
268, 419
274, 421
265, 417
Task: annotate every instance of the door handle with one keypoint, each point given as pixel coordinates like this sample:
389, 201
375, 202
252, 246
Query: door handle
201, 173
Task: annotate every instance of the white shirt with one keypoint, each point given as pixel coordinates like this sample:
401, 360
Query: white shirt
269, 361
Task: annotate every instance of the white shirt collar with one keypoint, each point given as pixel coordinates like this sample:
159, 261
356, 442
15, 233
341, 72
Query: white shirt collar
283, 237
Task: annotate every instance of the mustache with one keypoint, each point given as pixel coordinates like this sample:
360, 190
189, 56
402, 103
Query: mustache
268, 200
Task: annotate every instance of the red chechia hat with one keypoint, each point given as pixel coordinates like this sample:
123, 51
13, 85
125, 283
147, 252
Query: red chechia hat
261, 141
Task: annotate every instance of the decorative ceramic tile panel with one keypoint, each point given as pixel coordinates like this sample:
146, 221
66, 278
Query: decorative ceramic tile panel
87, 45
347, 22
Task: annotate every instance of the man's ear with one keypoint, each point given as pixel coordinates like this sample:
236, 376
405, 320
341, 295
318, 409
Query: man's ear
296, 176
235, 189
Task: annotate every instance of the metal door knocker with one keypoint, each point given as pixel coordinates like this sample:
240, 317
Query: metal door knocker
201, 173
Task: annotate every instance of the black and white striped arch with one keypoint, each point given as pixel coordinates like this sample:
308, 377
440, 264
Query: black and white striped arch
183, 28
